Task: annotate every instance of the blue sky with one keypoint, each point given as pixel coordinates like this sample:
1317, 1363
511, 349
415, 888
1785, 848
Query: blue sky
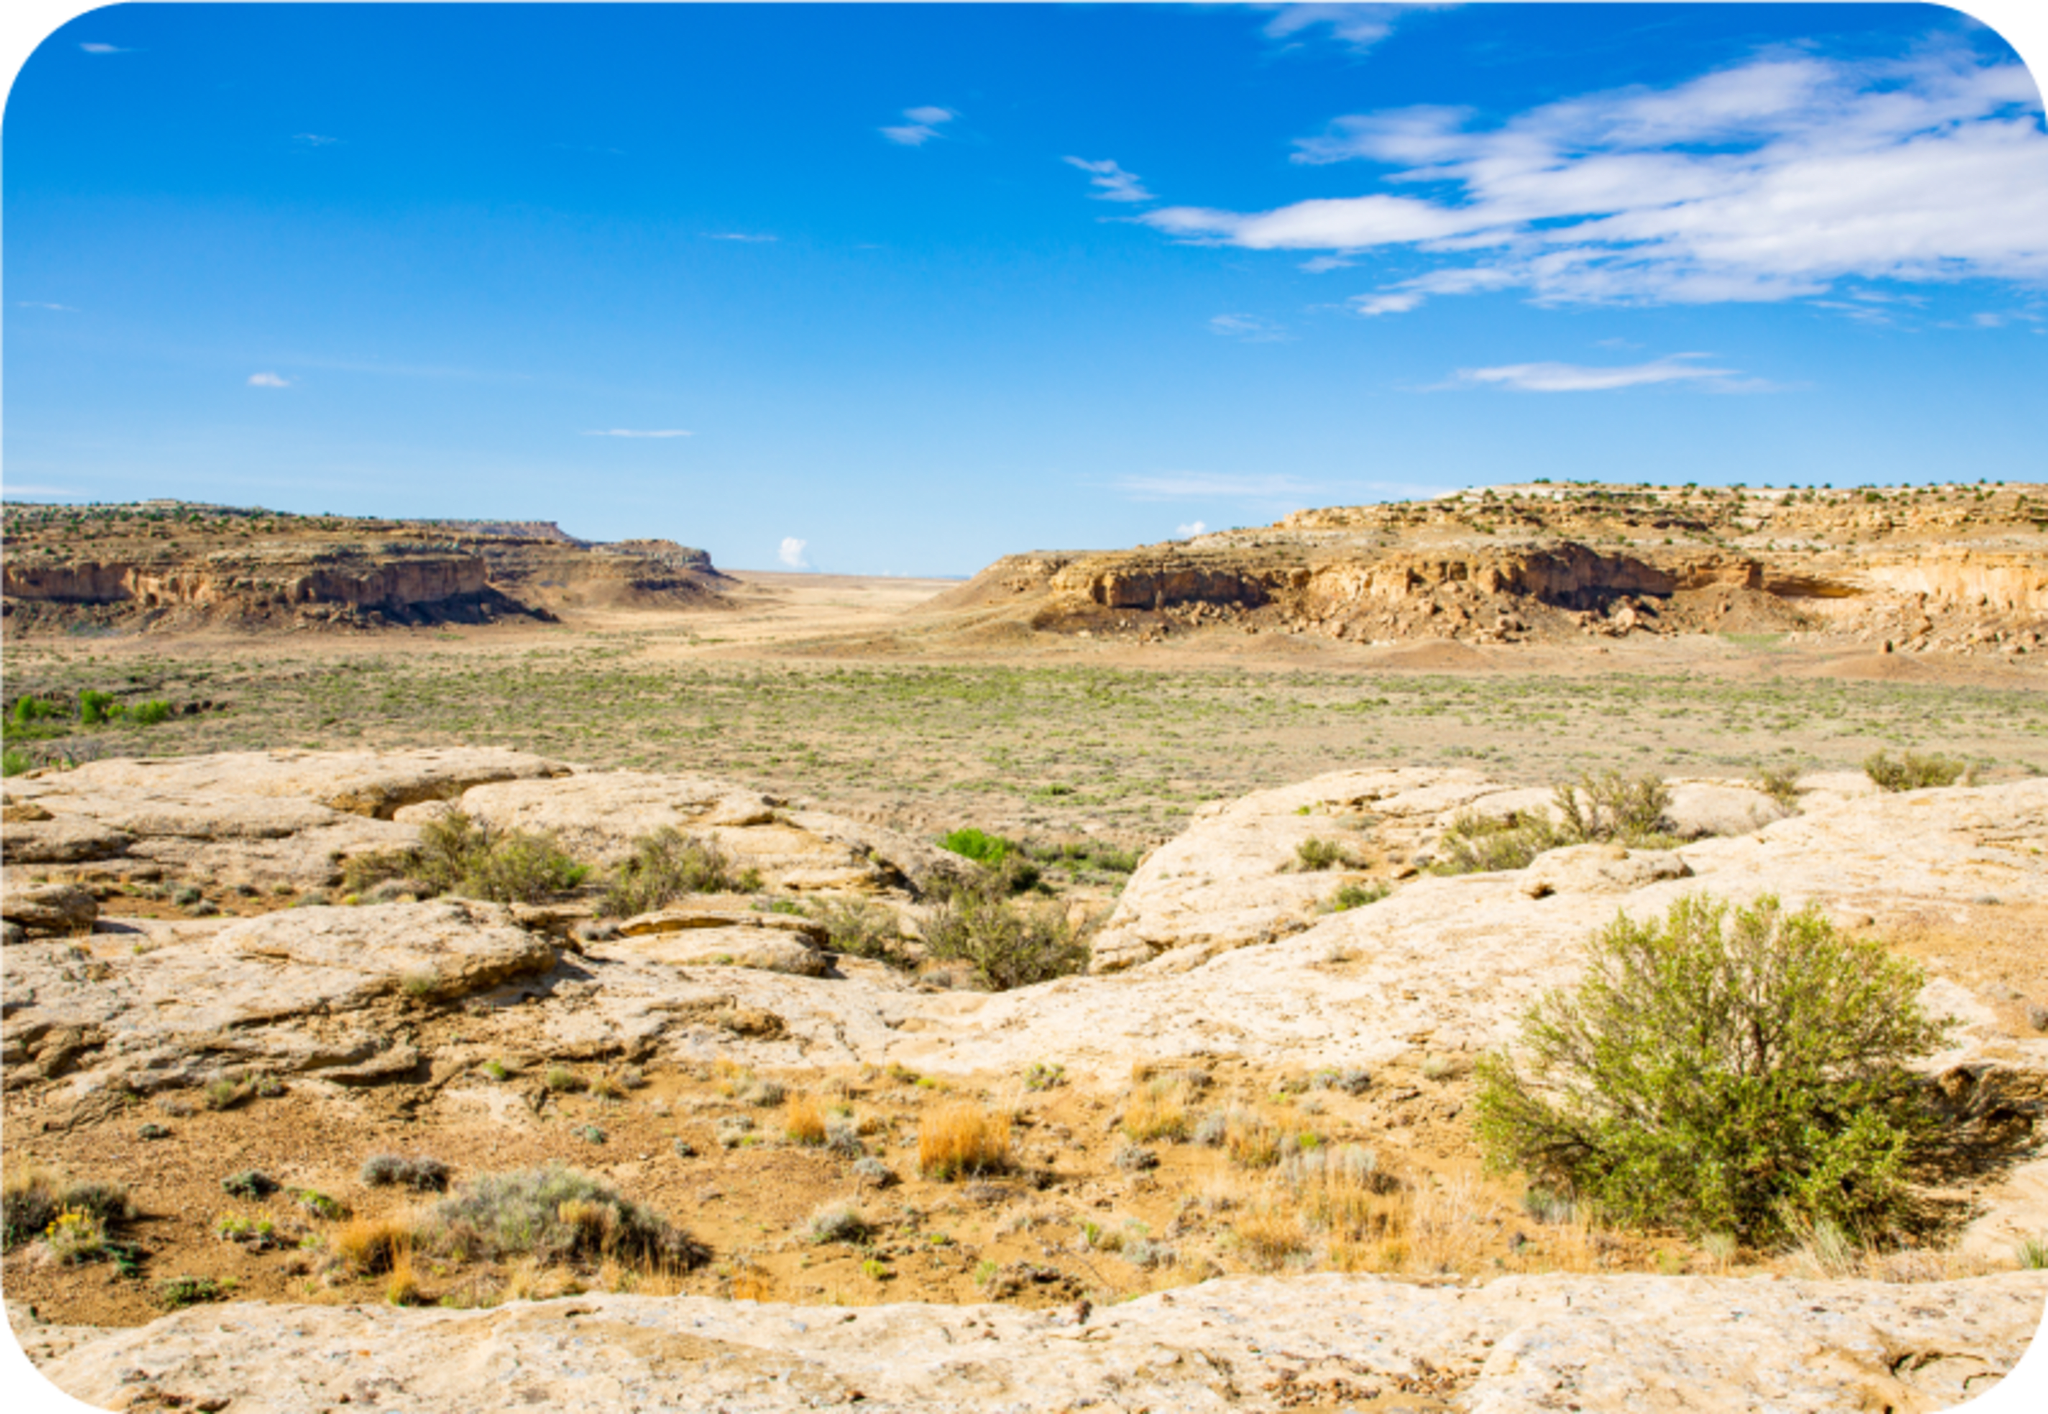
919, 286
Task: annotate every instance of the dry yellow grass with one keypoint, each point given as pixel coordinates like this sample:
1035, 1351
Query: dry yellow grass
1159, 1110
401, 1285
369, 1246
1268, 1234
961, 1139
803, 1121
1251, 1140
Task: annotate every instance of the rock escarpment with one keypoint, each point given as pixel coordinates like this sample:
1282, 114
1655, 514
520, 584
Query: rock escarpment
171, 565
1963, 568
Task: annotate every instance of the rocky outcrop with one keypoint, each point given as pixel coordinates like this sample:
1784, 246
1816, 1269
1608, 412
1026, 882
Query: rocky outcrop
1601, 1345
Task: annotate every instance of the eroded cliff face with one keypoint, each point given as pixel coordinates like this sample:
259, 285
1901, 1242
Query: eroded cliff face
173, 565
1916, 568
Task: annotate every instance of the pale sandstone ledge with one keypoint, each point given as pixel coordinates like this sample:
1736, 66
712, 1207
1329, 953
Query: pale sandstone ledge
1519, 1345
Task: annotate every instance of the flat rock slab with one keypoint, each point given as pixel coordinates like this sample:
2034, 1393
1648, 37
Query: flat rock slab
1516, 1346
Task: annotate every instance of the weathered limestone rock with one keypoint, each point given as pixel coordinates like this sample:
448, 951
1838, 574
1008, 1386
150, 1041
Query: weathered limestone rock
1602, 1345
48, 908
51, 841
1599, 868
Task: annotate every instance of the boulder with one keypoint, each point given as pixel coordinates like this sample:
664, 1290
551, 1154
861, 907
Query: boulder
53, 841
1599, 869
374, 783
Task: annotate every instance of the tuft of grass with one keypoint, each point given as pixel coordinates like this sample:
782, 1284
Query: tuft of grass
33, 1197
1159, 1109
563, 1081
2033, 1254
1044, 1075
804, 1122
369, 1246
861, 928
838, 1222
1913, 771
77, 1235
460, 854
222, 1093
963, 1141
1780, 783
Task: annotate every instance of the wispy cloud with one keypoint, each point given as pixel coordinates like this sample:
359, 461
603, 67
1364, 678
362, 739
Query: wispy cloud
792, 553
1116, 184
637, 432
749, 237
1248, 328
923, 126
1357, 27
1185, 485
268, 380
46, 304
314, 140
97, 48
1580, 378
1190, 530
1771, 180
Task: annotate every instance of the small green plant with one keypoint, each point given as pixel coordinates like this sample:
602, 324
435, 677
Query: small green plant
460, 854
150, 713
561, 1080
421, 986
494, 1070
223, 1093
176, 1293
1913, 771
985, 1272
590, 1134
2033, 1254
874, 1269
1044, 1075
95, 708
318, 1204
14, 763
1735, 1072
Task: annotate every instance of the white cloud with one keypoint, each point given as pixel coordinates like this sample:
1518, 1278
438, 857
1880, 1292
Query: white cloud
792, 553
633, 432
746, 236
1179, 485
1190, 530
46, 304
314, 140
1116, 184
1579, 378
268, 380
1249, 328
1772, 180
1360, 27
1322, 264
923, 126
105, 49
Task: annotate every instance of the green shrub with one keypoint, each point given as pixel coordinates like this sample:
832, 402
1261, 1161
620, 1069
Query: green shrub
859, 928
668, 865
1780, 783
1008, 945
1913, 771
420, 1174
461, 855
553, 1214
1352, 896
34, 1198
1592, 809
13, 763
150, 713
983, 849
1316, 854
31, 709
175, 1293
96, 707
1740, 1074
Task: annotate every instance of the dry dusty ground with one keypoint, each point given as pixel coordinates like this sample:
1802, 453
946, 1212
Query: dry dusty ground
822, 687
